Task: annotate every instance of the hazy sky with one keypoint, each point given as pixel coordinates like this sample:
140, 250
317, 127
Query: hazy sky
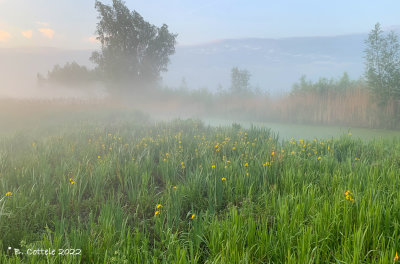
72, 23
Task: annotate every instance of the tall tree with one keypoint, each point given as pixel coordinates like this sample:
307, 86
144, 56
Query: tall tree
382, 65
133, 51
240, 80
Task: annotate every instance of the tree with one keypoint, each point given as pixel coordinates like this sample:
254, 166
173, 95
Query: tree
382, 65
69, 74
240, 81
133, 52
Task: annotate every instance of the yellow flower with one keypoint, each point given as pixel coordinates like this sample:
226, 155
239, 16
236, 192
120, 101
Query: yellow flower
167, 154
246, 164
273, 153
292, 152
223, 179
247, 174
213, 166
356, 158
350, 134
156, 212
164, 159
396, 258
158, 206
174, 187
98, 157
193, 216
8, 193
233, 148
319, 158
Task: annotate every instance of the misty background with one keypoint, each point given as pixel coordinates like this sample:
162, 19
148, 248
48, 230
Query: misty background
275, 64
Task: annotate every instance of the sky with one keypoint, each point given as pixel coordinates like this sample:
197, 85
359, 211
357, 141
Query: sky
71, 24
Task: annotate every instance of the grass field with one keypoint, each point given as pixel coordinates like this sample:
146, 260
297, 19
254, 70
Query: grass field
124, 190
287, 131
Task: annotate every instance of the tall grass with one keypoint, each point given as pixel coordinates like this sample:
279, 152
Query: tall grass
223, 195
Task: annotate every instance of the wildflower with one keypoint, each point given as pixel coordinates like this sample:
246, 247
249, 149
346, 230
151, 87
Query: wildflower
283, 151
213, 166
156, 212
174, 187
158, 206
183, 165
233, 148
167, 154
349, 196
396, 257
228, 161
8, 193
319, 158
223, 179
164, 159
226, 167
247, 174
356, 158
193, 216
246, 164
350, 134
273, 153
98, 157
292, 152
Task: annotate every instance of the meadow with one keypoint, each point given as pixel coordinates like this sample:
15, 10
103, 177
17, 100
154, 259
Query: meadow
118, 188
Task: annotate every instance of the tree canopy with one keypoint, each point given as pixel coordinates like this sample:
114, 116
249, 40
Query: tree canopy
132, 50
382, 65
240, 81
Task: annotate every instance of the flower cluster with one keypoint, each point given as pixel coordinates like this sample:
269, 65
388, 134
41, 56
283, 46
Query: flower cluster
349, 196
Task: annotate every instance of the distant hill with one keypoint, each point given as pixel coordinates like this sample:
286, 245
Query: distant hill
275, 64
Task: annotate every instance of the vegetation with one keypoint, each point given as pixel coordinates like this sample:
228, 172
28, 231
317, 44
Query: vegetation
132, 56
132, 50
240, 81
70, 74
382, 65
325, 86
382, 71
127, 191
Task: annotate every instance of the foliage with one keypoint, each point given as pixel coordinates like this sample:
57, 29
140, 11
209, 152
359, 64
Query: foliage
132, 50
324, 85
70, 74
240, 81
382, 65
